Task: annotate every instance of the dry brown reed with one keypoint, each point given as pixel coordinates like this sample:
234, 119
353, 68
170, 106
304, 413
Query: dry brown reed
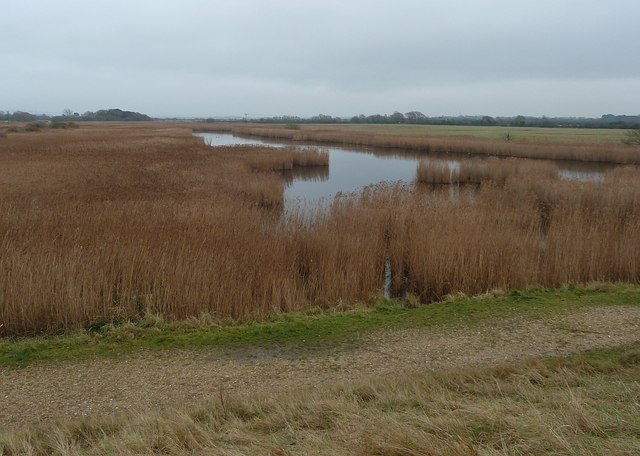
606, 151
106, 223
282, 159
249, 169
435, 172
476, 171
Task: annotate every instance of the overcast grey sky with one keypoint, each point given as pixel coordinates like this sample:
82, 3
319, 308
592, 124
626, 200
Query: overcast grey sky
275, 57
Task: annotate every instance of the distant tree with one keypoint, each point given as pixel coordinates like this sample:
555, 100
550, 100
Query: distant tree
488, 120
322, 118
21, 116
119, 114
632, 138
379, 118
67, 112
397, 117
415, 116
518, 121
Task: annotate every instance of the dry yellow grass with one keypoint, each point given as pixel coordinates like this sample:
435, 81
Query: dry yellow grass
569, 407
110, 222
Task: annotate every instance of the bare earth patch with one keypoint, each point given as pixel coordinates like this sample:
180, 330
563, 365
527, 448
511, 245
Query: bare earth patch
157, 380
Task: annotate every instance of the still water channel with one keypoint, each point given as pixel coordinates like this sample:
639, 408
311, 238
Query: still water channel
351, 169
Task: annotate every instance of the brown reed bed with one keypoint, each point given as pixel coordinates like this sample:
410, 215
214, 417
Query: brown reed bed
605, 151
435, 172
108, 223
284, 159
476, 171
251, 170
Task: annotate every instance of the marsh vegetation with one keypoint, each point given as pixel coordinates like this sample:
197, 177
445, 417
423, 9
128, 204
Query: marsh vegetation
557, 144
107, 223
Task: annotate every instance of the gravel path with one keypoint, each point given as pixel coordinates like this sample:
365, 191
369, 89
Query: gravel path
155, 380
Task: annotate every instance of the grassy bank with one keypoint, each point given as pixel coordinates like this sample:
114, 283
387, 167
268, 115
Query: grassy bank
584, 404
312, 330
529, 143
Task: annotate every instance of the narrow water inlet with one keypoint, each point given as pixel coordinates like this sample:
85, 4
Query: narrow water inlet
387, 278
352, 169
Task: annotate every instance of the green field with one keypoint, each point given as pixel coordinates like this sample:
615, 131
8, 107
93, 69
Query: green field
529, 133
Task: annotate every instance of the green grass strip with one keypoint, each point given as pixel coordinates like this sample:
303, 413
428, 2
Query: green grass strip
315, 328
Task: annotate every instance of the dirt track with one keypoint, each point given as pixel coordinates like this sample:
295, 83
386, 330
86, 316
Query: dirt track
178, 377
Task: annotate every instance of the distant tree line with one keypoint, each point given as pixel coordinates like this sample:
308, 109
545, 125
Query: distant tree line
418, 118
18, 116
409, 118
68, 115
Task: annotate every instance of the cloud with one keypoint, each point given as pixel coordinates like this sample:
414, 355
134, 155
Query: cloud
205, 58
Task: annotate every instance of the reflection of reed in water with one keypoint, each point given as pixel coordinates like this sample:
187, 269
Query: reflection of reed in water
305, 173
476, 171
588, 172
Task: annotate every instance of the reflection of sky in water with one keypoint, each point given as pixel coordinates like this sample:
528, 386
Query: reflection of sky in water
586, 176
350, 170
225, 139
